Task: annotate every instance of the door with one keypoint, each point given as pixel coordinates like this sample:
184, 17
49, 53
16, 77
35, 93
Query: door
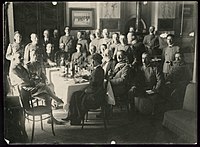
33, 17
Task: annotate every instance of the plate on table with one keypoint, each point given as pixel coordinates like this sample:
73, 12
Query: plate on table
150, 92
80, 80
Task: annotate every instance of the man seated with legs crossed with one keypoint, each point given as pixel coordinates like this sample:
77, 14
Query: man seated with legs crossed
19, 76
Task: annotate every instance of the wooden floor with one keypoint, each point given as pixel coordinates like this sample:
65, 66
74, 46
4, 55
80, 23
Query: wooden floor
123, 128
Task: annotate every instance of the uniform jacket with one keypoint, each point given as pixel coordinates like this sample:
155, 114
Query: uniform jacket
96, 43
55, 41
91, 98
120, 79
151, 41
84, 43
151, 77
110, 67
32, 51
14, 48
44, 43
179, 73
19, 75
127, 49
69, 43
168, 55
96, 81
78, 58
139, 48
95, 92
106, 41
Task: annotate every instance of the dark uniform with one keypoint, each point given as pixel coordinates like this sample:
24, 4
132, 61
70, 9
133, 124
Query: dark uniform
91, 98
151, 42
84, 43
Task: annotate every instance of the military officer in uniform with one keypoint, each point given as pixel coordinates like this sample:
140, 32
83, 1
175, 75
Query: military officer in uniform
168, 54
82, 41
68, 40
15, 47
151, 41
33, 52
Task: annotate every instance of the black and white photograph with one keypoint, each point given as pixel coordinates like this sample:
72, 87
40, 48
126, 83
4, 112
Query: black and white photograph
92, 72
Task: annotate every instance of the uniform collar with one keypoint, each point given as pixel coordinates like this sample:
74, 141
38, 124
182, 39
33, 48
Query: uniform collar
171, 45
97, 66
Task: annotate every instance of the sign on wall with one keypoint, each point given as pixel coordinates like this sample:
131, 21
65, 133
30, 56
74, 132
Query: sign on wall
167, 10
81, 18
109, 10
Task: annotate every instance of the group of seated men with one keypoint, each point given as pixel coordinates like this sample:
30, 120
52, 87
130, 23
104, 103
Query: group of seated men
126, 65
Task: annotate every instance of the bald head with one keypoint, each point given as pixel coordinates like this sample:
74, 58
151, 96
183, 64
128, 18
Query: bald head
34, 38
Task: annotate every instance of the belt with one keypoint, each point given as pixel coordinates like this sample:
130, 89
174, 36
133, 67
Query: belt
168, 61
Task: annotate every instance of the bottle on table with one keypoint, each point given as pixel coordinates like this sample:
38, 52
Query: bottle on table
62, 65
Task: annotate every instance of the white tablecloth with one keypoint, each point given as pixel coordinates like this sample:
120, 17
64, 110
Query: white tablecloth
64, 87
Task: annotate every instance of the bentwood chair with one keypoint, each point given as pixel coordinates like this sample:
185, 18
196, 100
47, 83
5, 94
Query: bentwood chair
123, 101
31, 107
102, 108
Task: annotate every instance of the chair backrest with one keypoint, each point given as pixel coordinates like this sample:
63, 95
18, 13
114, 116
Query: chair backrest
190, 99
25, 98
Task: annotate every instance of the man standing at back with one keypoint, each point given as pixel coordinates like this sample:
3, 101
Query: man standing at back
168, 54
83, 42
151, 41
68, 41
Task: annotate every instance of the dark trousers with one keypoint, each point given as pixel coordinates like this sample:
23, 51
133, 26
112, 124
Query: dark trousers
76, 110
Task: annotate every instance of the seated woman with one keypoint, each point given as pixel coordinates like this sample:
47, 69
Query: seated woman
91, 97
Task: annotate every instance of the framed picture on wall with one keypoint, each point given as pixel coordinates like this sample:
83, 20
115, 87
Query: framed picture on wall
81, 18
112, 24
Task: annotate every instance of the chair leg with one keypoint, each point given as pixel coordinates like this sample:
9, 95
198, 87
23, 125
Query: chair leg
128, 108
121, 107
83, 119
33, 129
104, 117
112, 110
107, 112
41, 122
52, 126
86, 117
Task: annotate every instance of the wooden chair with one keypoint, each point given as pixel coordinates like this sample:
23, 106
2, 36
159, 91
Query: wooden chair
31, 108
122, 101
103, 110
